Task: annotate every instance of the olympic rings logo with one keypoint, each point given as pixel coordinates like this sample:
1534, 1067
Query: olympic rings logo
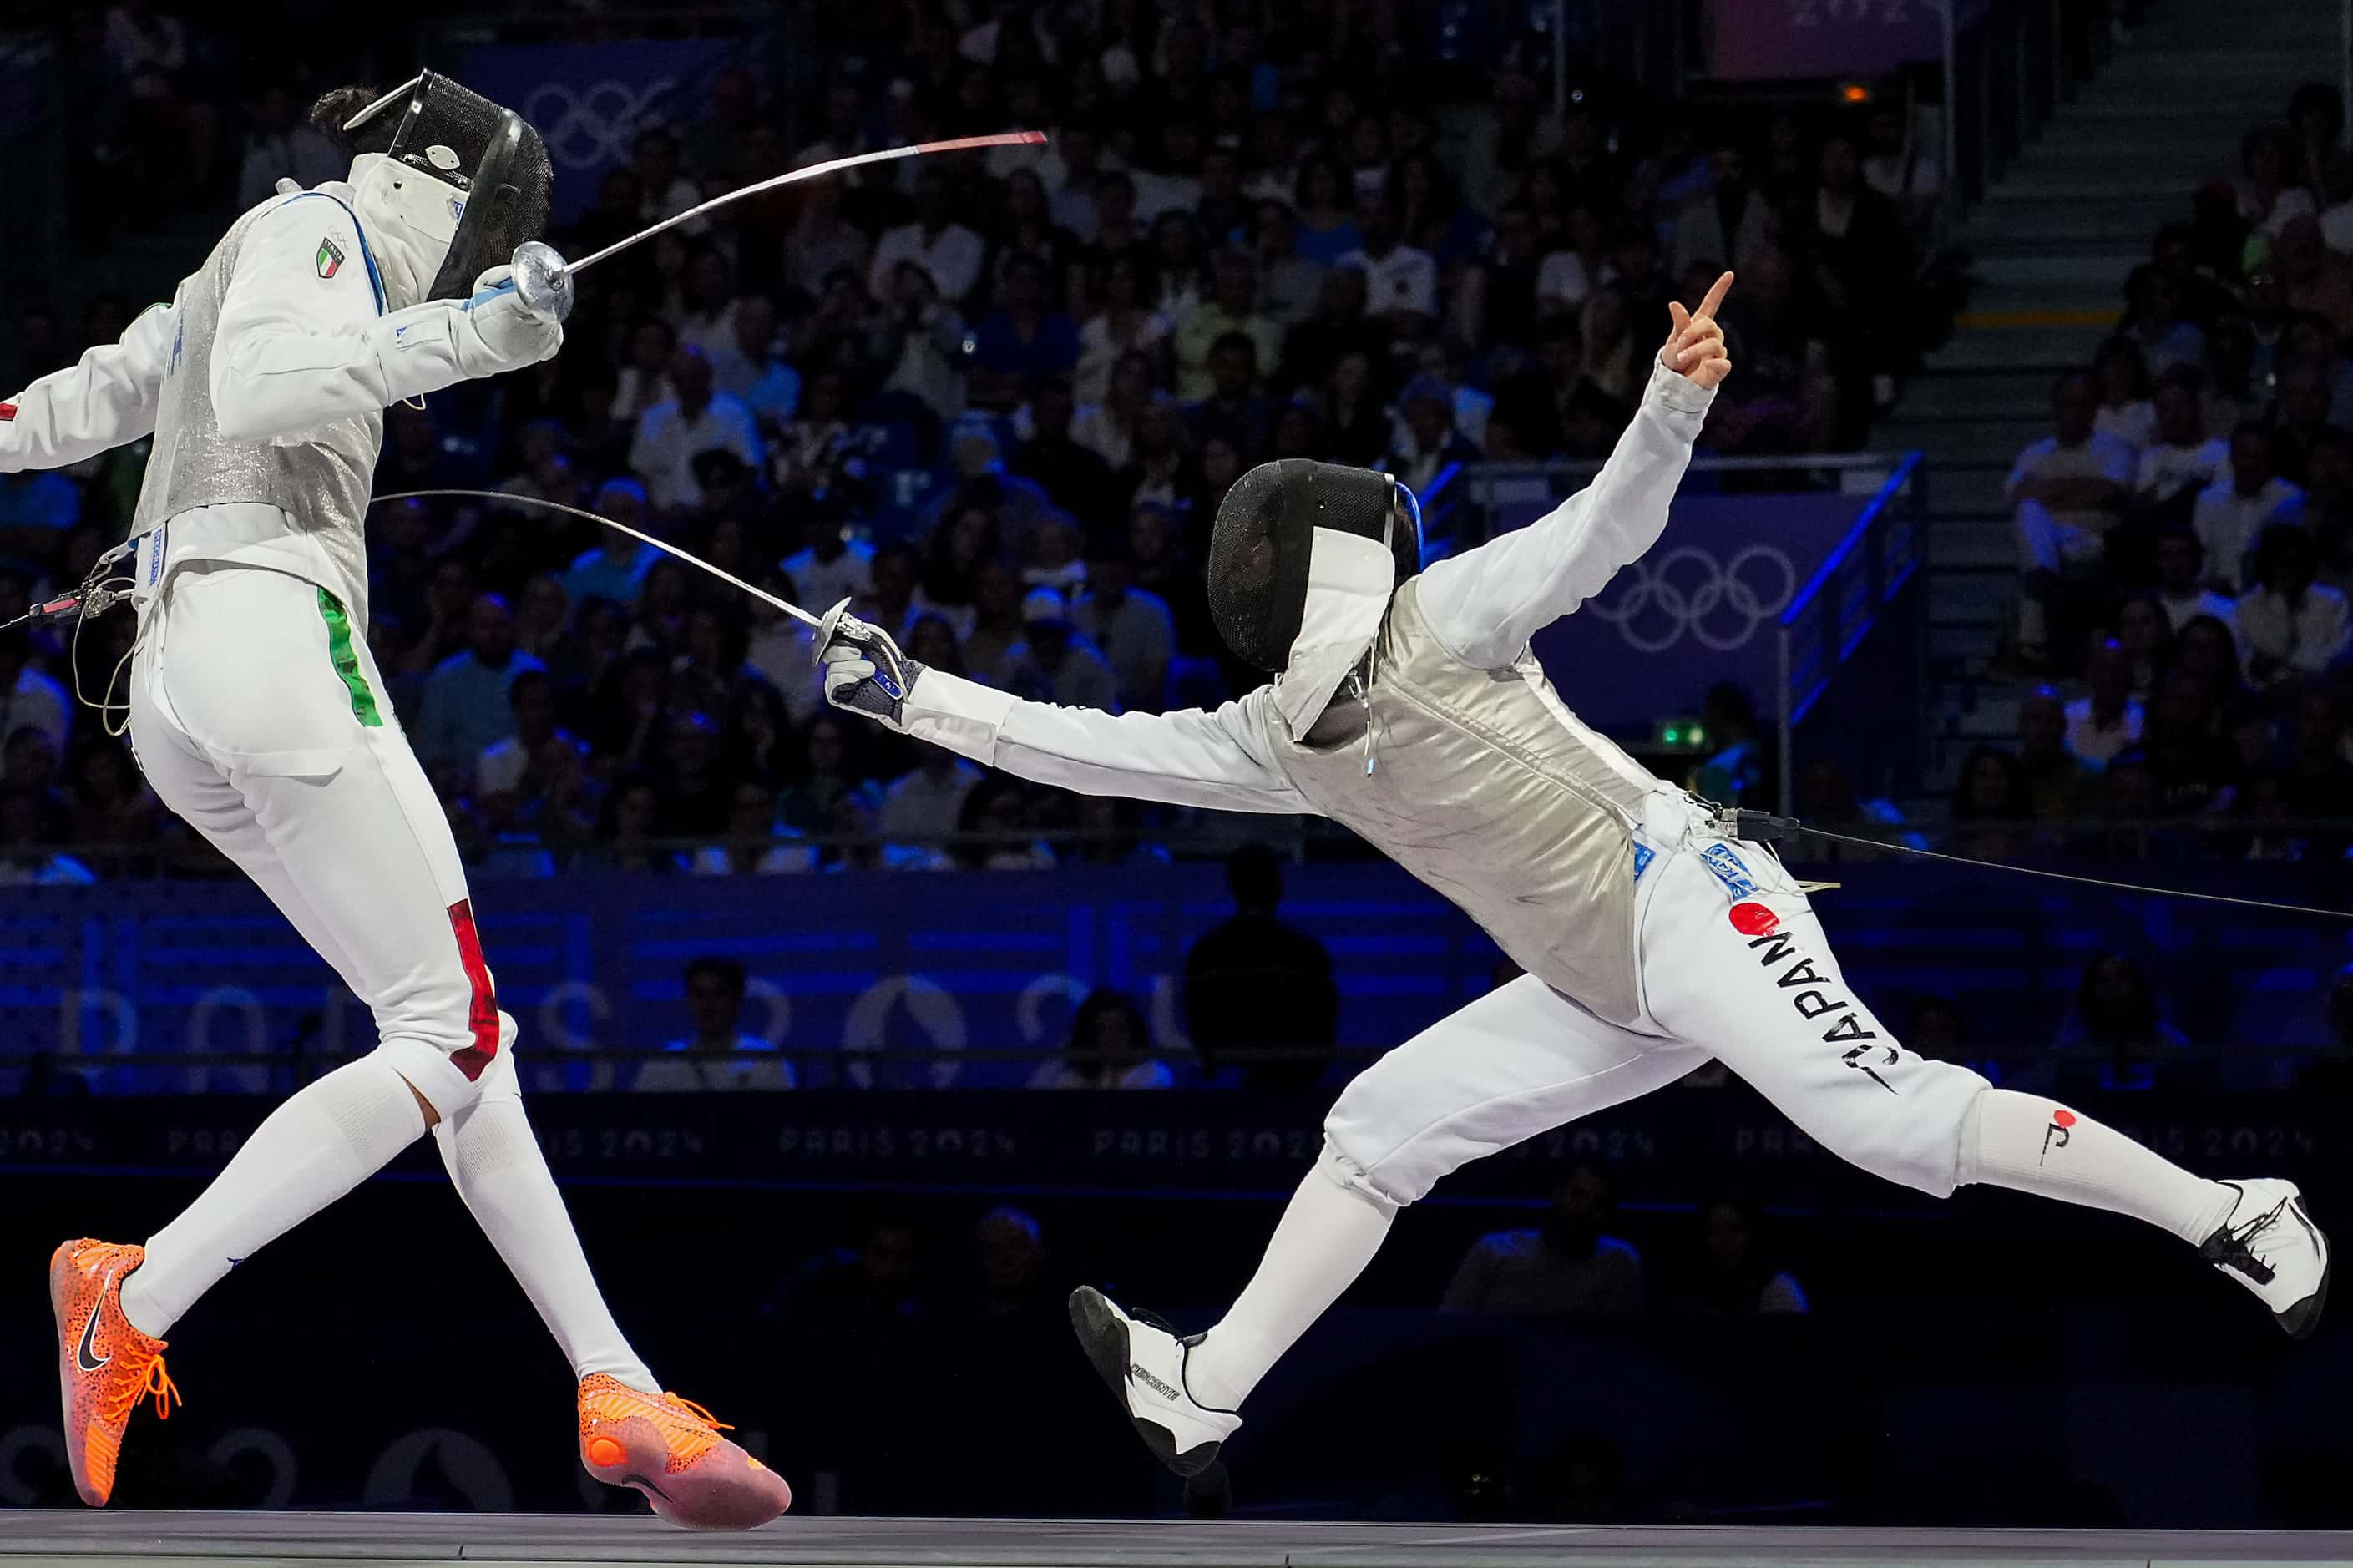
594, 126
1687, 593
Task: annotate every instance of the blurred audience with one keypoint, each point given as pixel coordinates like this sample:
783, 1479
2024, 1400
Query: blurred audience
1730, 1270
994, 402
1568, 1266
716, 1052
2205, 599
1259, 994
1110, 1047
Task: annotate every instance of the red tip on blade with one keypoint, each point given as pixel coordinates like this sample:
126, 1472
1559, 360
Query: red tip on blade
962, 144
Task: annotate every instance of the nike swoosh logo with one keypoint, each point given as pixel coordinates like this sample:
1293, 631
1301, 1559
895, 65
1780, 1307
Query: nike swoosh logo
83, 1352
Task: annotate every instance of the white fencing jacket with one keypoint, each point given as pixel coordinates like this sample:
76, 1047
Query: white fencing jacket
1468, 769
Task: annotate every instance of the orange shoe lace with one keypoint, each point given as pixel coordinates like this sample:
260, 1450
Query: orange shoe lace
688, 1430
697, 1412
135, 1384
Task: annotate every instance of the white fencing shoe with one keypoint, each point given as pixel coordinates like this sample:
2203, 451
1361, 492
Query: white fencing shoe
2270, 1244
1144, 1364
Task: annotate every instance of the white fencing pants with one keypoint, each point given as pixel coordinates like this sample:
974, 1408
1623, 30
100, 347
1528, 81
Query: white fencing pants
1734, 967
258, 716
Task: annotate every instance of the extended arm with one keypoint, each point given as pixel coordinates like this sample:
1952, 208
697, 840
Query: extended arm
1191, 758
1485, 604
1194, 758
301, 342
105, 400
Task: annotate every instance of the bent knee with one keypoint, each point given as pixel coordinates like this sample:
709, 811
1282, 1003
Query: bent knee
448, 1083
1915, 1138
1385, 1181
456, 1014
432, 1117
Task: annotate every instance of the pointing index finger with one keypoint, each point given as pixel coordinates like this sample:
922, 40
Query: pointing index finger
1708, 306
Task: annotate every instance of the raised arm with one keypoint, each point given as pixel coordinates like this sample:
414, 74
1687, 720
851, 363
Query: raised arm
303, 339
1217, 760
105, 400
1486, 603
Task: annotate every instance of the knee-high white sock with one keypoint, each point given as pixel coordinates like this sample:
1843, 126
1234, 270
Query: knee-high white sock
313, 1149
1329, 1232
499, 1170
2035, 1145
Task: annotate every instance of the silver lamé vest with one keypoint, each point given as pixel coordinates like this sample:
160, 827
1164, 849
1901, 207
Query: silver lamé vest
1487, 788
320, 481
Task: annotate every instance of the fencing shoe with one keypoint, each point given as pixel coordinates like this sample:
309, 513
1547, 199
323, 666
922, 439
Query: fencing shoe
669, 1448
1143, 1363
2270, 1244
105, 1366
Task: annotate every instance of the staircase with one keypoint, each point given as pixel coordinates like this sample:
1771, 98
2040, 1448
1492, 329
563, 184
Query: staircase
2052, 245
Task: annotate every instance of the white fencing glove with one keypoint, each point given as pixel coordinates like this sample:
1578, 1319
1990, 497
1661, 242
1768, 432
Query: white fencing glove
504, 334
864, 671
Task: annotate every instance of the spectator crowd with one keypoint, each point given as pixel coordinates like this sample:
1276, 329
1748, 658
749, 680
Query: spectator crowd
2185, 533
993, 399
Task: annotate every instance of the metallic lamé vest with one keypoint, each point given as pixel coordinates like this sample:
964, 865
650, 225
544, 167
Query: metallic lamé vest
320, 481
1488, 789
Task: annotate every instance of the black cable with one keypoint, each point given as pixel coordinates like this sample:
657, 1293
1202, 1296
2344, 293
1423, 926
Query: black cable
2067, 876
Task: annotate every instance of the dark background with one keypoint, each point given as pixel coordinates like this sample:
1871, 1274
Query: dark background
1988, 1360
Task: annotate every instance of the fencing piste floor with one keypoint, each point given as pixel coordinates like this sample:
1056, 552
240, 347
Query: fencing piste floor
207, 1540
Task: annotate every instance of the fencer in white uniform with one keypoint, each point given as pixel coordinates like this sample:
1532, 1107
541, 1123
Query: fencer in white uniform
258, 715
1407, 705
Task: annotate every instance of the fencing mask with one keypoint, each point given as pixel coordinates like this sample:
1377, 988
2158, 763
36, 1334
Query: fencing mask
1297, 539
460, 179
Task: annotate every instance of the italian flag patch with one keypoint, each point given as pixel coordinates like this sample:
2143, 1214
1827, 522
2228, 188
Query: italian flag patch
330, 257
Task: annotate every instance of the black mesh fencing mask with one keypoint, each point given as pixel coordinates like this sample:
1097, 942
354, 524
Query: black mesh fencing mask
499, 183
1265, 534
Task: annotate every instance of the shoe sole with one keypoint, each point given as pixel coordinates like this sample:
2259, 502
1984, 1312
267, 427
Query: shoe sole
1102, 1334
698, 1497
2300, 1320
61, 1274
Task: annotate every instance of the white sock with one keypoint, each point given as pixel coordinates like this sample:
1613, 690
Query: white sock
2035, 1145
499, 1170
1328, 1234
319, 1145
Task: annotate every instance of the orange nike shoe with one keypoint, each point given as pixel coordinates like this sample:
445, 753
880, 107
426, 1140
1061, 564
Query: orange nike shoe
669, 1448
104, 1365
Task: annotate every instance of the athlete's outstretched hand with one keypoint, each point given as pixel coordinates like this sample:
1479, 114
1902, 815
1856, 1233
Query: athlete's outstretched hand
1695, 348
864, 671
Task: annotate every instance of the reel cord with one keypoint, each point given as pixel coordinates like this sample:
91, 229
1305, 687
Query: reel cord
97, 594
1763, 827
100, 593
